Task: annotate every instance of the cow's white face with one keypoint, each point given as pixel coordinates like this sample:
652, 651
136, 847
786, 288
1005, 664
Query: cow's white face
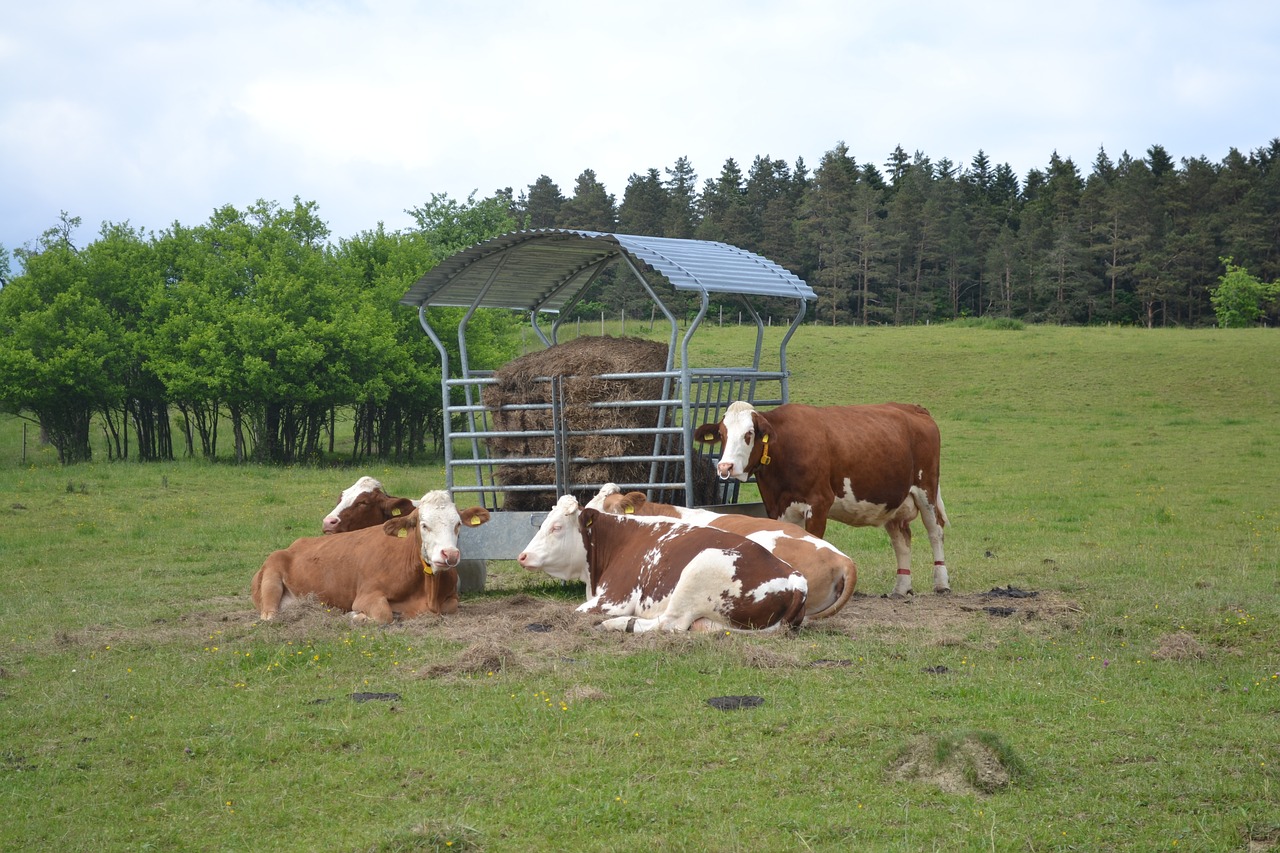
557, 547
738, 431
438, 526
347, 499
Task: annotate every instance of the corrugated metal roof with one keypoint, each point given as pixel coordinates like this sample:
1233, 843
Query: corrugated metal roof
545, 270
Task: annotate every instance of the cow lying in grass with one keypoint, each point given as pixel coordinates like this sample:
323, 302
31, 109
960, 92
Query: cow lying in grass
405, 567
830, 574
651, 574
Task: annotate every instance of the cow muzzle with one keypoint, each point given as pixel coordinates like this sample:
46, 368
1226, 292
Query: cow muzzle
448, 559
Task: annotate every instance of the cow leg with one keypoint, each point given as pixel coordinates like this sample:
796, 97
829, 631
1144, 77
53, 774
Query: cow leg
934, 529
267, 591
371, 607
640, 625
900, 536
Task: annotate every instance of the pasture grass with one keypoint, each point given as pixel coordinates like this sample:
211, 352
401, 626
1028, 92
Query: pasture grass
1126, 477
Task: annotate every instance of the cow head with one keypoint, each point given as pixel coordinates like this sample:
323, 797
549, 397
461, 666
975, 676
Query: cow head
438, 523
744, 432
623, 504
605, 491
557, 547
364, 504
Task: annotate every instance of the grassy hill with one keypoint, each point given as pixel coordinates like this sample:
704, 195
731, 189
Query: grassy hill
1105, 676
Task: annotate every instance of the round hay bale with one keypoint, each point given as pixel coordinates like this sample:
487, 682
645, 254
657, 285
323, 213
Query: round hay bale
576, 366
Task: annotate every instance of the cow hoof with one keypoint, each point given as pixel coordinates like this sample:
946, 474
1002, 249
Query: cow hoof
266, 617
946, 590
902, 596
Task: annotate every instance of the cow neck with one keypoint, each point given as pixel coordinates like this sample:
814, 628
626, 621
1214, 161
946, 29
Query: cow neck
414, 559
767, 444
599, 553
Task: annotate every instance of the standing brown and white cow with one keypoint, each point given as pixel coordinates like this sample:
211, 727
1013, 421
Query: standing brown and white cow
363, 504
866, 466
651, 574
406, 566
829, 573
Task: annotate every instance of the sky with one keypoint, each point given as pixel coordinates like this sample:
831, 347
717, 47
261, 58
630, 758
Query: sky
153, 112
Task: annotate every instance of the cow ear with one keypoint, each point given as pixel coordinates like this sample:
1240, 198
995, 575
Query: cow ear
634, 500
761, 424
474, 517
396, 507
707, 434
400, 525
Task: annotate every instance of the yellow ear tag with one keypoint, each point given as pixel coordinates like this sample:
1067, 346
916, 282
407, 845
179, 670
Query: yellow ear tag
395, 512
764, 455
629, 510
426, 567
402, 533
475, 521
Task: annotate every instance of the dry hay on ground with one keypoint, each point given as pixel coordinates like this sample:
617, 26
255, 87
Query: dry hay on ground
1180, 645
526, 630
968, 763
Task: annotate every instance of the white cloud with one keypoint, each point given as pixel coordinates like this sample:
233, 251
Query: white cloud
154, 111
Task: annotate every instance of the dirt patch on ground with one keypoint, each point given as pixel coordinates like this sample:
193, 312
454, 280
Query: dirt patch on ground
1181, 645
539, 628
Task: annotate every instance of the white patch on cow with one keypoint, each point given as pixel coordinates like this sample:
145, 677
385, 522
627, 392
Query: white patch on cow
859, 513
739, 439
796, 513
713, 575
438, 526
792, 582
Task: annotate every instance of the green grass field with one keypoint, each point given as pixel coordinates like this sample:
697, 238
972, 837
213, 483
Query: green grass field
1127, 477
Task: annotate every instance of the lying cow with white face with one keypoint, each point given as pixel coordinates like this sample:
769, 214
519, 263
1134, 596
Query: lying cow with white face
652, 574
862, 465
363, 504
406, 566
830, 574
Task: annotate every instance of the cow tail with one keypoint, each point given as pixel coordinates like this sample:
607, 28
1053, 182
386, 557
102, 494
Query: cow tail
939, 511
794, 614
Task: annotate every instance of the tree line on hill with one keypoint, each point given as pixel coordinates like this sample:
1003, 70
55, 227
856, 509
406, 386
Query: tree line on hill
257, 320
1139, 241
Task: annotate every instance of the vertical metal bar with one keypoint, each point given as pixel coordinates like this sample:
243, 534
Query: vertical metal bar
782, 349
559, 438
444, 397
685, 412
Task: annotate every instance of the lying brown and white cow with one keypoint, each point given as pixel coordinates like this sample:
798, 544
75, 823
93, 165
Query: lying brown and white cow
363, 504
651, 574
406, 566
863, 465
829, 573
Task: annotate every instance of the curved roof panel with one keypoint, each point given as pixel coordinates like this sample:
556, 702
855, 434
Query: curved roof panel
544, 270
